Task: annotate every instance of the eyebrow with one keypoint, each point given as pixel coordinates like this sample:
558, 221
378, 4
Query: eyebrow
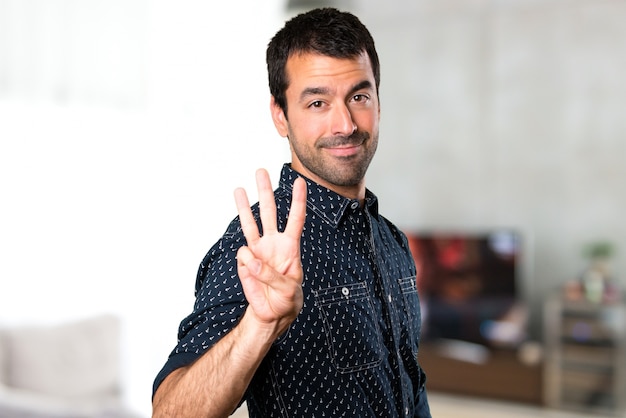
363, 85
313, 91
316, 91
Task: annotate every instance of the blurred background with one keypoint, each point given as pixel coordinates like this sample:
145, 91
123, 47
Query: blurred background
125, 126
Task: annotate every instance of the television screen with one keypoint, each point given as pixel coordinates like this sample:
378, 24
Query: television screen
467, 284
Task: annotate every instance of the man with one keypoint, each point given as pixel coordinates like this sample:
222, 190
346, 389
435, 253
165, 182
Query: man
307, 306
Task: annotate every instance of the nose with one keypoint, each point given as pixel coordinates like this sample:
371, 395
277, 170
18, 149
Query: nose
342, 122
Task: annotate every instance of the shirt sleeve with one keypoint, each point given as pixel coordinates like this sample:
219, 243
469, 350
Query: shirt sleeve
219, 304
422, 409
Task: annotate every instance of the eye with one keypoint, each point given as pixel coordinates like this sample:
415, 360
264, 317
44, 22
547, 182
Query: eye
316, 104
360, 98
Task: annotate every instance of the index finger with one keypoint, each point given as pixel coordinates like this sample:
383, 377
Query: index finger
297, 212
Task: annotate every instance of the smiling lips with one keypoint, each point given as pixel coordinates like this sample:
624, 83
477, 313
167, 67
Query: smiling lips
343, 150
344, 147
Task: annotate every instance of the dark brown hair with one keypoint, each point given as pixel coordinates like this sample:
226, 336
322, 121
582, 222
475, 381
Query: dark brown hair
326, 31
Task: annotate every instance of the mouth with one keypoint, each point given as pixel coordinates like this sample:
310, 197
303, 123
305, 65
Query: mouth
345, 147
344, 150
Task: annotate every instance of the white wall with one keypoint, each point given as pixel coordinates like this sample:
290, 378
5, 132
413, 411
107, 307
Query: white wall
119, 153
506, 113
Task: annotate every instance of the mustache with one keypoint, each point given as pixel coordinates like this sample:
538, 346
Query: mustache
357, 138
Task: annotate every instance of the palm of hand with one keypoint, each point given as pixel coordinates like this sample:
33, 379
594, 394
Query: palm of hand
270, 267
274, 299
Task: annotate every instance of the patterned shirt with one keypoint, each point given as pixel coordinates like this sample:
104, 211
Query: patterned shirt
352, 350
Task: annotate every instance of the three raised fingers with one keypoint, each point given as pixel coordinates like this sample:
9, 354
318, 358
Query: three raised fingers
267, 206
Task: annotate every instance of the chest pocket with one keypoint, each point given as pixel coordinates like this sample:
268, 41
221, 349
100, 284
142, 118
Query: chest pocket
408, 287
352, 331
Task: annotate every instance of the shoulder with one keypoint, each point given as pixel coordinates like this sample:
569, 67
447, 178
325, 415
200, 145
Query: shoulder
221, 257
394, 230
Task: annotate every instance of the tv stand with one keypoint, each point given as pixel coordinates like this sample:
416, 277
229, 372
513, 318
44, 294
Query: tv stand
480, 371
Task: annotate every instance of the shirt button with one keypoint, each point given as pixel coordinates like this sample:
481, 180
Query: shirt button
354, 205
345, 291
389, 297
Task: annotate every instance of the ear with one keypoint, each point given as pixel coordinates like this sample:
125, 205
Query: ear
279, 118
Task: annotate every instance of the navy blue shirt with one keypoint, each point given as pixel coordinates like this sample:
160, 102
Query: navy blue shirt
352, 350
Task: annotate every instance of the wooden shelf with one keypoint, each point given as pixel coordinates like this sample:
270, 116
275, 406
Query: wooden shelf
585, 349
501, 375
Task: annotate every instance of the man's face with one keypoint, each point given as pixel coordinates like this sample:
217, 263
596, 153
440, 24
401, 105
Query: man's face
332, 120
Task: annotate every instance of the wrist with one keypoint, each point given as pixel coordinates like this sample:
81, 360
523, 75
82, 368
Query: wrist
257, 332
255, 336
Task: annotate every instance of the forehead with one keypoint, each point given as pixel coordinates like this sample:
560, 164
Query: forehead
307, 70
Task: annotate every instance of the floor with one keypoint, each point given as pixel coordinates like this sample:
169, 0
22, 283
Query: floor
449, 406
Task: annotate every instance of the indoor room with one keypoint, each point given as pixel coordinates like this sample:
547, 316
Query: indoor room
126, 125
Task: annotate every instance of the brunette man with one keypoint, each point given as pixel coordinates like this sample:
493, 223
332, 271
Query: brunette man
307, 306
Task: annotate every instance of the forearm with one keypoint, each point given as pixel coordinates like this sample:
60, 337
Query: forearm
214, 384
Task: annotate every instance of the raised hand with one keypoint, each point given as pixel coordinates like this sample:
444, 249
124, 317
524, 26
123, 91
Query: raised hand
270, 267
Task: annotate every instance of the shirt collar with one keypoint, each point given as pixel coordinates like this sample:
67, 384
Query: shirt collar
327, 204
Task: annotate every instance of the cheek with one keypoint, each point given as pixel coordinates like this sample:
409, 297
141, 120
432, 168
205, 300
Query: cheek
367, 121
307, 129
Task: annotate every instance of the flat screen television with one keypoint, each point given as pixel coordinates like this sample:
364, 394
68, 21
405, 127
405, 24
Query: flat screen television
468, 285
